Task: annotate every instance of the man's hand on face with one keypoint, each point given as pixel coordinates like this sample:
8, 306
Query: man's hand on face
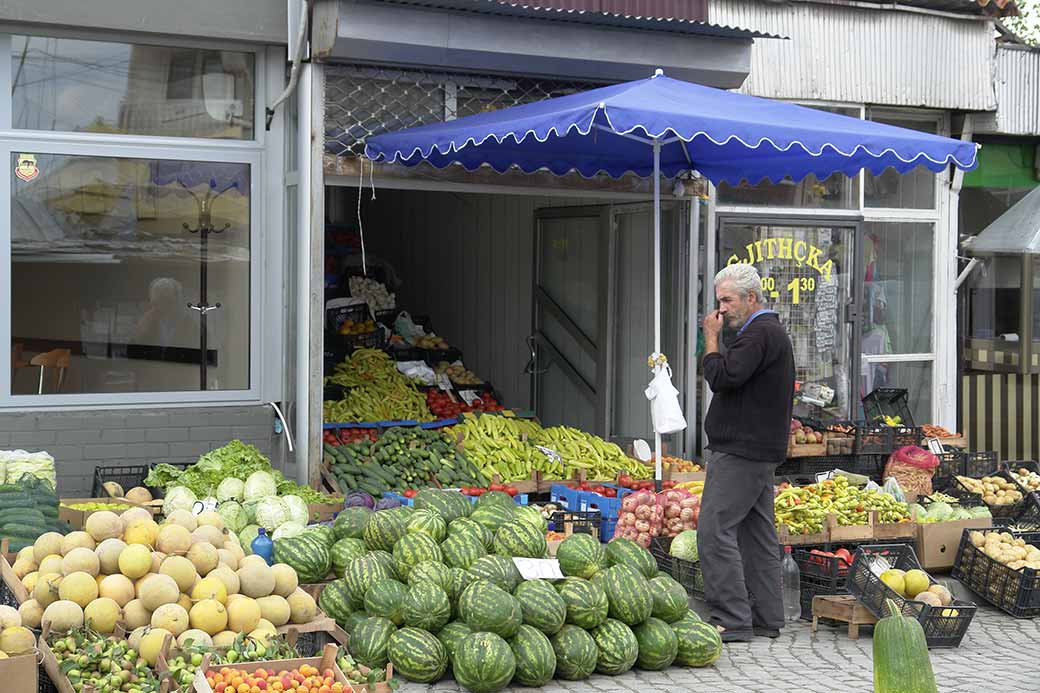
712, 324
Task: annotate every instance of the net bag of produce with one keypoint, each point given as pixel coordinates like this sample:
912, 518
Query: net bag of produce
640, 518
680, 511
913, 468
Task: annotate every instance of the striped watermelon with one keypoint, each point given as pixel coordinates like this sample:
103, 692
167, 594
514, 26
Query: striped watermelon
542, 605
576, 653
384, 529
627, 552
307, 555
417, 655
580, 555
658, 644
628, 594
360, 574
385, 559
485, 607
434, 573
368, 642
498, 570
587, 605
483, 663
334, 600
692, 615
460, 580
428, 522
350, 522
532, 516
461, 549
618, 647
535, 657
344, 551
671, 602
450, 505
323, 532
464, 525
699, 643
495, 498
521, 540
451, 634
426, 606
353, 620
493, 516
386, 598
413, 549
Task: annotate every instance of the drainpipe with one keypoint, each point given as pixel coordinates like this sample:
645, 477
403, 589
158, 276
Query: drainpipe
294, 74
952, 366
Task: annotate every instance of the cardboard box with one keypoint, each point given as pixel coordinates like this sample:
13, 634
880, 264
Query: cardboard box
937, 542
326, 661
322, 512
20, 673
78, 518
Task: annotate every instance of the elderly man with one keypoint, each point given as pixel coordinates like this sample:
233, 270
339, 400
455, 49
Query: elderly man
747, 425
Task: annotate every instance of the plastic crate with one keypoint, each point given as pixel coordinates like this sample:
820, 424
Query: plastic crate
965, 495
435, 356
873, 439
608, 527
888, 401
1028, 519
951, 463
903, 436
944, 626
686, 573
977, 464
872, 466
339, 346
788, 468
336, 316
575, 522
1016, 592
826, 463
127, 476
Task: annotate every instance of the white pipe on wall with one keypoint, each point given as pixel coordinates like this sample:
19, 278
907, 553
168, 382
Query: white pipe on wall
303, 273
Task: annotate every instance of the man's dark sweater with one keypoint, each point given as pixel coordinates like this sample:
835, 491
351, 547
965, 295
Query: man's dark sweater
753, 386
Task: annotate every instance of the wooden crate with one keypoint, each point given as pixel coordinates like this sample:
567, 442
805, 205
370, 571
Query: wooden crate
77, 518
843, 608
322, 512
326, 661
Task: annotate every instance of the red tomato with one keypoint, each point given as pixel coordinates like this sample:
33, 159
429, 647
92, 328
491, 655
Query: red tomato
511, 490
583, 486
668, 484
409, 493
496, 487
478, 491
610, 493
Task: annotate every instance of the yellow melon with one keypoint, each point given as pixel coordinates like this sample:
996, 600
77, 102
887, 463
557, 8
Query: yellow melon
17, 640
132, 514
224, 639
118, 588
228, 576
9, 617
102, 615
31, 613
108, 555
209, 615
152, 642
139, 495
80, 588
104, 524
302, 608
184, 518
157, 591
135, 561
27, 554
52, 564
135, 615
81, 560
45, 591
195, 636
210, 588
136, 635
47, 544
274, 609
23, 567
203, 556
181, 570
285, 580
256, 579
62, 616
243, 615
142, 531
29, 581
171, 617
211, 518
77, 540
185, 601
228, 558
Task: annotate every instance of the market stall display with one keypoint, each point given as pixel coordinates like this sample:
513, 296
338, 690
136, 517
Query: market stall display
1002, 567
375, 391
804, 510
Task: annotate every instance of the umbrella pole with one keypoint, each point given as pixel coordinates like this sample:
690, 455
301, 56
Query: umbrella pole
657, 291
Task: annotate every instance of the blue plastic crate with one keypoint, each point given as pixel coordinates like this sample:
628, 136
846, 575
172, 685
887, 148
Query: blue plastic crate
606, 529
567, 497
519, 499
403, 500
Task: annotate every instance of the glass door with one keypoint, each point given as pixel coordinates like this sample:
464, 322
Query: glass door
811, 278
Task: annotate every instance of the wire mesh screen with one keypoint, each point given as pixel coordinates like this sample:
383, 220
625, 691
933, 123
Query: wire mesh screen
361, 101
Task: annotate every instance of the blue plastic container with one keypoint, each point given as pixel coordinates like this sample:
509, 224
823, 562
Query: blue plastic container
263, 546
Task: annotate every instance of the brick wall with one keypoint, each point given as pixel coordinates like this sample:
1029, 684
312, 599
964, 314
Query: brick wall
79, 441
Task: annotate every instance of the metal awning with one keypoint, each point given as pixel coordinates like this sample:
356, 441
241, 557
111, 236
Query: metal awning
1015, 232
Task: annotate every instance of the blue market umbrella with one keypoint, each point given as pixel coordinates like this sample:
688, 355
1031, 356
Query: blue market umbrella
665, 126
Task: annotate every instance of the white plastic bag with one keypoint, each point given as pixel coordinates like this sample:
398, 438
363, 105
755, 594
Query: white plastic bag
665, 410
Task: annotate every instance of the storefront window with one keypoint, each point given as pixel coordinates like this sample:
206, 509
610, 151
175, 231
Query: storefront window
88, 86
126, 272
914, 189
897, 289
913, 376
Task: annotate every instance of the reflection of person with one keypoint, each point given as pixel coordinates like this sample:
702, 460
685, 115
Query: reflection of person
166, 322
876, 338
748, 425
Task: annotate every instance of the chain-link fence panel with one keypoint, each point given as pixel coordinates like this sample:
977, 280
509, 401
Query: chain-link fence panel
361, 101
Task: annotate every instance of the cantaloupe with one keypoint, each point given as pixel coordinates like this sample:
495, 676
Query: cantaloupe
62, 616
274, 609
209, 534
157, 559
263, 637
285, 580
183, 518
46, 589
76, 540
17, 640
171, 617
181, 570
209, 615
31, 613
195, 636
211, 518
157, 591
266, 625
47, 544
225, 638
203, 556
113, 489
52, 564
228, 558
81, 560
251, 559
235, 548
139, 495
228, 576
151, 643
142, 531
103, 524
134, 639
9, 617
101, 615
80, 588
185, 601
23, 567
135, 615
128, 516
27, 554
108, 555
243, 615
29, 581
135, 561
173, 540
302, 608
256, 580
118, 588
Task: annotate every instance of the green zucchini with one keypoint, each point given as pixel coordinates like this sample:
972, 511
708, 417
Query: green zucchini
20, 529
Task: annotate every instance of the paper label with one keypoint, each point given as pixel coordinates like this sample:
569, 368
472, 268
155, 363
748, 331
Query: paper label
824, 476
935, 446
202, 506
878, 565
200, 683
469, 396
551, 454
444, 382
538, 568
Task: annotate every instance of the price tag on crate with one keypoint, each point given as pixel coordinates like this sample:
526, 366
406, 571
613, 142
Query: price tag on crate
469, 396
824, 476
878, 565
202, 506
551, 454
200, 682
538, 568
935, 446
443, 382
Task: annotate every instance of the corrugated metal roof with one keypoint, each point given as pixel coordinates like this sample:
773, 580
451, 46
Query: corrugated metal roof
607, 19
991, 8
696, 10
1017, 81
860, 55
1015, 232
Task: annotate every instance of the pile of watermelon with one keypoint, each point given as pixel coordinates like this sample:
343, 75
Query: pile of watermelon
433, 589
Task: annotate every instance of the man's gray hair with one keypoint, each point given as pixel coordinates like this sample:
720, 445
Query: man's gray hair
744, 278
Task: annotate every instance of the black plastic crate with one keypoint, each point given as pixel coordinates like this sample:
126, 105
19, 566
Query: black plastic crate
158, 492
1010, 511
1016, 592
686, 573
335, 317
823, 575
435, 356
333, 393
951, 464
1028, 518
127, 476
347, 343
826, 463
873, 439
977, 464
575, 522
888, 401
903, 436
944, 626
1010, 466
788, 468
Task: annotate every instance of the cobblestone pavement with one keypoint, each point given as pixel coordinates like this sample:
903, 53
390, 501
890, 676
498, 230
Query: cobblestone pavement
829, 661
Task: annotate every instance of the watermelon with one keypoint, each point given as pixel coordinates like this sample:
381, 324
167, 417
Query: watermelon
450, 505
535, 657
386, 598
670, 599
451, 634
466, 525
521, 540
460, 580
542, 605
587, 605
344, 551
384, 529
699, 643
413, 549
692, 615
627, 552
334, 600
486, 607
324, 532
461, 549
353, 620
350, 522
306, 554
429, 523
497, 569
483, 663
426, 606
628, 594
658, 644
493, 516
360, 574
417, 655
532, 516
576, 653
580, 555
495, 497
385, 559
618, 647
368, 642
434, 573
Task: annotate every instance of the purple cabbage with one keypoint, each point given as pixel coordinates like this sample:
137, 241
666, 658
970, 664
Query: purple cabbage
388, 504
356, 499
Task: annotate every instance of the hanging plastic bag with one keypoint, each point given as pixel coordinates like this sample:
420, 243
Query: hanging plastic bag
406, 328
892, 488
665, 410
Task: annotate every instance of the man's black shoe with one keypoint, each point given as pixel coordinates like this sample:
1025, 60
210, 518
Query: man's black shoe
767, 632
